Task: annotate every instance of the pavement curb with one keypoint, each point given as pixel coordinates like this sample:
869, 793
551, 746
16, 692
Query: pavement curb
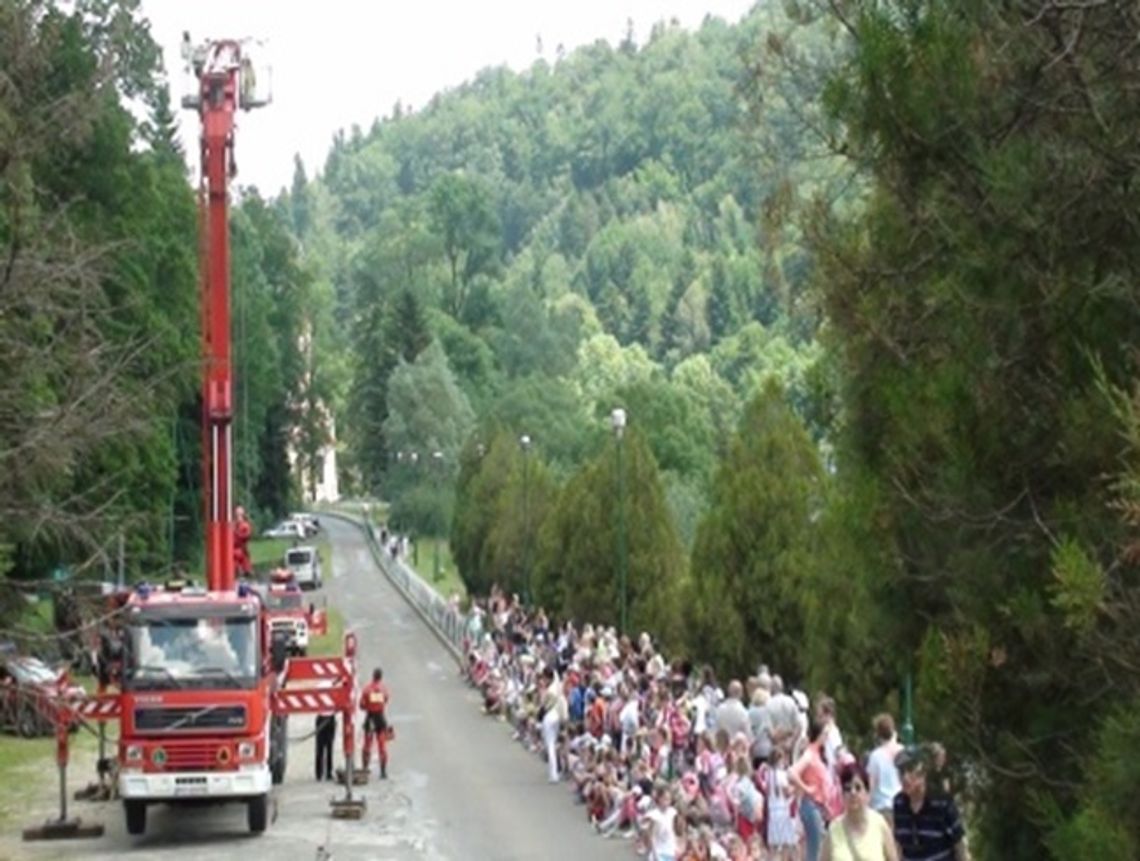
381, 563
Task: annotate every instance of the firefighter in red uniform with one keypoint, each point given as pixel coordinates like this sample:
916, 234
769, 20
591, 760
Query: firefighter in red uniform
243, 531
374, 702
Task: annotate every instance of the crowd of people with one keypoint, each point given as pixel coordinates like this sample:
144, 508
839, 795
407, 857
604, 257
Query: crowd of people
660, 753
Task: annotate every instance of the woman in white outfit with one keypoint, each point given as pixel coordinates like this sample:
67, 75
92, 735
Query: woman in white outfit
553, 705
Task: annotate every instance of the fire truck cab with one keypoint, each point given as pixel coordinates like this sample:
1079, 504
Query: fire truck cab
195, 702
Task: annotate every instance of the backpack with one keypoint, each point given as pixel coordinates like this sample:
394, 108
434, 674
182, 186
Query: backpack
577, 703
678, 728
833, 796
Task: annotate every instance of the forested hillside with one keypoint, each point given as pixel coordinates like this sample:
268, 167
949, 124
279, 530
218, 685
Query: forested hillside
608, 227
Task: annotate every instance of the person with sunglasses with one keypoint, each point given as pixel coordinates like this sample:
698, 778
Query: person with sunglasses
859, 833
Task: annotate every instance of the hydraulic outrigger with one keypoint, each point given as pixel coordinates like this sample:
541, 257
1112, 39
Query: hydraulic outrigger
198, 684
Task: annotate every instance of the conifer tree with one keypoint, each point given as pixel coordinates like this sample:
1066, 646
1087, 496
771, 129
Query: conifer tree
578, 574
754, 547
975, 301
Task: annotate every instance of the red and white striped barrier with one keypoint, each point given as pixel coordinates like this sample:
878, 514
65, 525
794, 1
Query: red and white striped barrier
317, 669
306, 701
98, 709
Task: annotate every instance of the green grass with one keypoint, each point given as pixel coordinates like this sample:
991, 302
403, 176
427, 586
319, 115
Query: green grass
325, 551
269, 553
448, 580
332, 643
378, 511
38, 617
28, 775
25, 767
264, 554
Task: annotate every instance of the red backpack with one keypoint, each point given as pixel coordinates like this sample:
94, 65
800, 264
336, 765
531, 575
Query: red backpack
679, 728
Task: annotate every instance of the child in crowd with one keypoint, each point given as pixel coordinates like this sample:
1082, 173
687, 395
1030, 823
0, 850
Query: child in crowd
746, 800
662, 827
783, 836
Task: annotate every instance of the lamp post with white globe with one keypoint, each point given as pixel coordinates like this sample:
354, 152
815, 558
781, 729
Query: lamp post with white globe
617, 422
524, 444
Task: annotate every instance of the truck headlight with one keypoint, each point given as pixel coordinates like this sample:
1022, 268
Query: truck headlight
246, 750
134, 753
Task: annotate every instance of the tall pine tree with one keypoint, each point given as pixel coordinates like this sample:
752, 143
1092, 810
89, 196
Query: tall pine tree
754, 546
982, 302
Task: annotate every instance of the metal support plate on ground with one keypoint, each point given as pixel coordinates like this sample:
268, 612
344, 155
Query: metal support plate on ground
68, 829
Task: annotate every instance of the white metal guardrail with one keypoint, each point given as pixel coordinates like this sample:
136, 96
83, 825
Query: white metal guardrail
448, 624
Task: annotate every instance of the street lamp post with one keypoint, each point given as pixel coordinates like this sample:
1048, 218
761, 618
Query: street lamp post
524, 443
908, 709
413, 458
617, 422
437, 457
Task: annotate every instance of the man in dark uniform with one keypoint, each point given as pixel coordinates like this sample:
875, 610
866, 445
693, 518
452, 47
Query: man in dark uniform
374, 702
326, 735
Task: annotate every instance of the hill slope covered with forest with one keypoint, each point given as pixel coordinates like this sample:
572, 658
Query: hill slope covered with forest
609, 223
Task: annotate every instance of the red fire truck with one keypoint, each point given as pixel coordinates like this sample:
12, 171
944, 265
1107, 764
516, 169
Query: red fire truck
196, 702
288, 616
200, 687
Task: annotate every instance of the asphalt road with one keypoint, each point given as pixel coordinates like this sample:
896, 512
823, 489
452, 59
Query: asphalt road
459, 788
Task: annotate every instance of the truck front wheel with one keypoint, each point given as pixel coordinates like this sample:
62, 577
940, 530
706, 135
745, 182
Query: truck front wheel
277, 770
258, 813
136, 816
278, 749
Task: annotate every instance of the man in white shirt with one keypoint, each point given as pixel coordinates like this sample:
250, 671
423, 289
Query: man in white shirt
731, 715
881, 768
783, 715
761, 724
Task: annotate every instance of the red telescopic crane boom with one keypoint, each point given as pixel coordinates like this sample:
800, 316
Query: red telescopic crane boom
226, 83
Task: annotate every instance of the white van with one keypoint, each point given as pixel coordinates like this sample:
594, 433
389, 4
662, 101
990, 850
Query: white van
304, 562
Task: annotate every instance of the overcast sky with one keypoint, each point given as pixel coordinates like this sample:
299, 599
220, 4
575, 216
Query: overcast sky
339, 62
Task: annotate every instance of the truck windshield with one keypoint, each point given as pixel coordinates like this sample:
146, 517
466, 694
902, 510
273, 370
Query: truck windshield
212, 652
298, 557
284, 601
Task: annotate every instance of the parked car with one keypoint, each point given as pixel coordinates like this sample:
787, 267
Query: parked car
308, 522
285, 529
27, 687
304, 563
